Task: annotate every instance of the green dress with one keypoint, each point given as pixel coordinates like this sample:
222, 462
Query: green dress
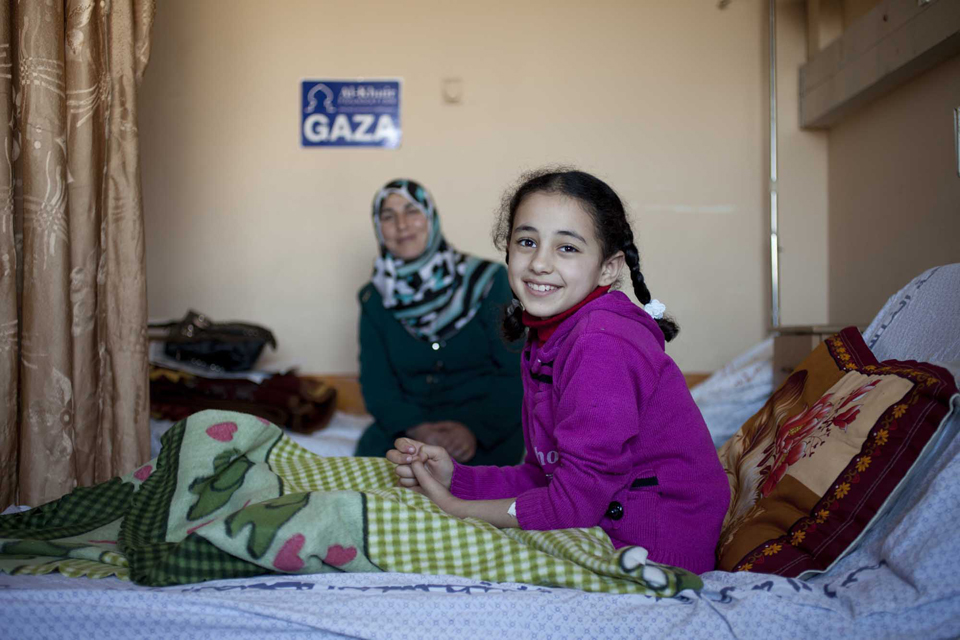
472, 378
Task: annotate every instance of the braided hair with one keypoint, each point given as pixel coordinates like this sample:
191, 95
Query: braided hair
610, 226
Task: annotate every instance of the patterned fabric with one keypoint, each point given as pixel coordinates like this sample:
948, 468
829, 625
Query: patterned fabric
438, 293
816, 466
76, 512
73, 303
230, 496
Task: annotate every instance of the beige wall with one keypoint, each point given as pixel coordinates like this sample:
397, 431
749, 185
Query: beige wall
802, 178
894, 193
665, 99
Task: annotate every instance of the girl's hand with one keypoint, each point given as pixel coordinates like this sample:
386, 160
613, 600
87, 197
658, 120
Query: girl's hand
434, 459
438, 493
496, 512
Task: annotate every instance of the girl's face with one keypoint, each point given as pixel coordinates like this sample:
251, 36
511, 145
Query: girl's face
404, 227
555, 257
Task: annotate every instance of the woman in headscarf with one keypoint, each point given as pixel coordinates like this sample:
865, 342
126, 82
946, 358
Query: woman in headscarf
433, 364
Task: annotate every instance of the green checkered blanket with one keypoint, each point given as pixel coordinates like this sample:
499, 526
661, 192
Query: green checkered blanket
230, 496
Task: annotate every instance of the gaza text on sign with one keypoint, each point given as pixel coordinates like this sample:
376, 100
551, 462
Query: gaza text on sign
350, 113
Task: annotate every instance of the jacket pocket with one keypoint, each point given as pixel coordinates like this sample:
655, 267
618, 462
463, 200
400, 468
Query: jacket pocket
645, 482
640, 521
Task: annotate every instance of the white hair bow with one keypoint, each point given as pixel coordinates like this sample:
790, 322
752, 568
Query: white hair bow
655, 308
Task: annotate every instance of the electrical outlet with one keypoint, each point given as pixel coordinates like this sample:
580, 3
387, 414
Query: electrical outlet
452, 90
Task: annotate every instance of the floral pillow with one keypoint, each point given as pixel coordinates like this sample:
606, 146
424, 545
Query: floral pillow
813, 468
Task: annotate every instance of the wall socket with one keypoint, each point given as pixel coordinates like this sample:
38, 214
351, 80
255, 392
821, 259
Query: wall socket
451, 89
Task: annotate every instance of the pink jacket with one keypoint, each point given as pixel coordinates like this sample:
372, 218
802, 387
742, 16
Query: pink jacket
614, 439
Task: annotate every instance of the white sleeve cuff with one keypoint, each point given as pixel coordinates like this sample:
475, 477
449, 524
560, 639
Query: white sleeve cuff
513, 509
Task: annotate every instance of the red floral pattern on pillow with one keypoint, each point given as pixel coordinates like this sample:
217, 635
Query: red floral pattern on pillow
812, 470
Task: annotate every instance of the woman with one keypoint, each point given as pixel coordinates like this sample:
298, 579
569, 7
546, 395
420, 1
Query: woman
432, 362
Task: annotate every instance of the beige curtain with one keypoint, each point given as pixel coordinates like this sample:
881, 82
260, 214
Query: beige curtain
73, 362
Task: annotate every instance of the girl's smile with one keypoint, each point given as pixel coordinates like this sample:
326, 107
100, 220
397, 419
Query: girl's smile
555, 259
541, 289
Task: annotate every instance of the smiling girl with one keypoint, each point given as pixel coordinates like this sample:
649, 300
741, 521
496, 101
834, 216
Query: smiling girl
612, 435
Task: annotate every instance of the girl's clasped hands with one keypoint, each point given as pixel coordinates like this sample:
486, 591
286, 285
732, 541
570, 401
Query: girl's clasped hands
426, 469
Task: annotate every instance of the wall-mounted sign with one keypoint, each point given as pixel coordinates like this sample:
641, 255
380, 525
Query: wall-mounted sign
350, 113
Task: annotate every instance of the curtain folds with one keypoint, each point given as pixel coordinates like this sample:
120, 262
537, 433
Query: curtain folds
73, 347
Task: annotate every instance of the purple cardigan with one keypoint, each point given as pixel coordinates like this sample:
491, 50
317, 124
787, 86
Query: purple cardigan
613, 439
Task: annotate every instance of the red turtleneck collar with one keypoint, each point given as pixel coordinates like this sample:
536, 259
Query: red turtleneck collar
546, 326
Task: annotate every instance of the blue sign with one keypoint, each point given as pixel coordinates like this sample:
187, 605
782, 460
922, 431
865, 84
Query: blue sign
350, 113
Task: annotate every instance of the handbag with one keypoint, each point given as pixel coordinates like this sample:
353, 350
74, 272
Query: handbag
219, 346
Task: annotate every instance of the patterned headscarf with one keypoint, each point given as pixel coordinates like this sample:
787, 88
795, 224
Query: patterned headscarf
437, 293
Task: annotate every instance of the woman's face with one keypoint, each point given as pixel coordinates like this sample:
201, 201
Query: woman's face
555, 257
404, 227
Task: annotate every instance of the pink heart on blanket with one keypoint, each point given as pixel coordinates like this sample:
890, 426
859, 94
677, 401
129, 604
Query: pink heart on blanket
287, 558
143, 472
222, 431
338, 556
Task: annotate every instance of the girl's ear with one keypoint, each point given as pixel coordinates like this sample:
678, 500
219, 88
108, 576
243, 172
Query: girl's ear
610, 269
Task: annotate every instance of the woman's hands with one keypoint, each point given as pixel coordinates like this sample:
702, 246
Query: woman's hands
455, 437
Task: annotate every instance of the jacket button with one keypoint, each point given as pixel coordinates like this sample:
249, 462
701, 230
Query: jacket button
615, 510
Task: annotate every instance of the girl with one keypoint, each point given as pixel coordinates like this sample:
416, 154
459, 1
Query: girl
613, 437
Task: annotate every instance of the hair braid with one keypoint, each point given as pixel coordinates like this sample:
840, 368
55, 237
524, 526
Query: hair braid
512, 324
667, 325
632, 258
